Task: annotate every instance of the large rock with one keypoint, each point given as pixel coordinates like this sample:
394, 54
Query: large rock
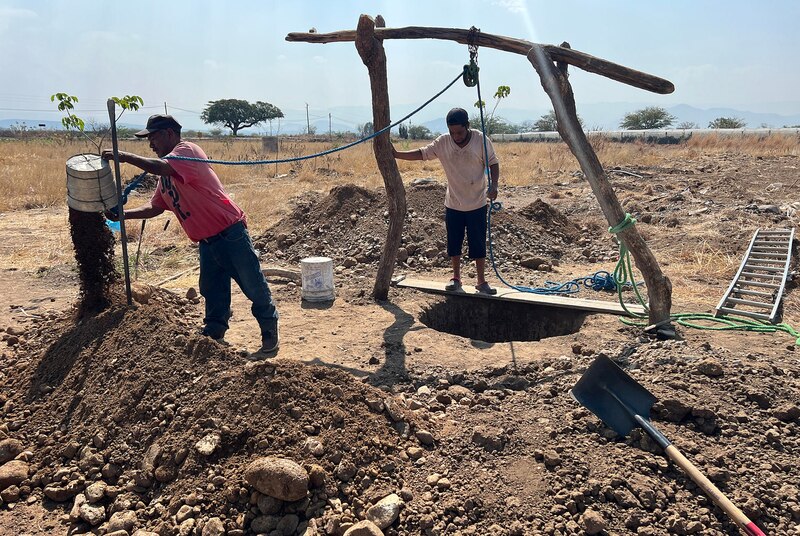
278, 477
213, 527
9, 448
385, 511
364, 528
12, 473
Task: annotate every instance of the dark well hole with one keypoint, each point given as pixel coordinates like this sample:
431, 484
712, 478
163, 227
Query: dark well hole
499, 320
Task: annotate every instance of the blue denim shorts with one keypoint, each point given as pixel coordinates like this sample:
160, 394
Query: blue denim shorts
474, 222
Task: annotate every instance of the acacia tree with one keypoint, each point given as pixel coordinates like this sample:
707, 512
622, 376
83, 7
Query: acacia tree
727, 122
649, 118
549, 123
237, 114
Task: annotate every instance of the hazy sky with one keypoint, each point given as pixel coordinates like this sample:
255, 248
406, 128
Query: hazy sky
732, 53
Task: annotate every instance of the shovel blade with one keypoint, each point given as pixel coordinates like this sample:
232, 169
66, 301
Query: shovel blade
608, 392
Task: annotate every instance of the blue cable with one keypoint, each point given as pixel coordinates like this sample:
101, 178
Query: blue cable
323, 153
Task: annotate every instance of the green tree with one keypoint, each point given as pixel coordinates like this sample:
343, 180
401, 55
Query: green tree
237, 114
648, 118
419, 132
366, 129
71, 122
549, 123
403, 131
727, 122
494, 125
687, 125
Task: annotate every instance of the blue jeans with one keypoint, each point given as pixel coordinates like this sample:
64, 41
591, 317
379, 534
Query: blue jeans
230, 255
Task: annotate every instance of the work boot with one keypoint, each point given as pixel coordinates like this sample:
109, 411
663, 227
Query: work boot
269, 342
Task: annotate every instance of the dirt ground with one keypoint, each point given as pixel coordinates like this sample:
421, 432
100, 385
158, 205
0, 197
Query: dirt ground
129, 422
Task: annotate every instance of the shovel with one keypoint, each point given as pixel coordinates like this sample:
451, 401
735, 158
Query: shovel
622, 404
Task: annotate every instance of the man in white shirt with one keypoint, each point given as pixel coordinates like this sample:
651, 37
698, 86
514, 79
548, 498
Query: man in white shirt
461, 153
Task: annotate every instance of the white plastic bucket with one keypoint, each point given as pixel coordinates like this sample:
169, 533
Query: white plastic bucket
90, 185
317, 279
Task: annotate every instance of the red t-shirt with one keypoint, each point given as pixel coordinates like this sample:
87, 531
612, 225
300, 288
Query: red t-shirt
195, 194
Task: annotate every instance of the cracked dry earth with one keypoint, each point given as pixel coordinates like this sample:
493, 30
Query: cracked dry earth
371, 422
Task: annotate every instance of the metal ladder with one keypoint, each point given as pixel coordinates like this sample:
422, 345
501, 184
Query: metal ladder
757, 287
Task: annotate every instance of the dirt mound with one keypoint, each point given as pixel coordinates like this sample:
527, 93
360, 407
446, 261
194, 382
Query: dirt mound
350, 223
124, 397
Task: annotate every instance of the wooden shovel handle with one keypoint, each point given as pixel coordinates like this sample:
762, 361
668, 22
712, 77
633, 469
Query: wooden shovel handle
716, 495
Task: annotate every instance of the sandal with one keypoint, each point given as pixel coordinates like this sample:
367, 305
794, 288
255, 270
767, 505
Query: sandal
453, 285
484, 288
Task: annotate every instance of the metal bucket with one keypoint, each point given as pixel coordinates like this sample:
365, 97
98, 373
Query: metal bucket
317, 279
90, 184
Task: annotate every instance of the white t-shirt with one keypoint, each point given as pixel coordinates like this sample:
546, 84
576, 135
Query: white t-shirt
464, 167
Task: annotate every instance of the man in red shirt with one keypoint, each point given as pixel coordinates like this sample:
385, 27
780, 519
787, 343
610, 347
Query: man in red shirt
194, 193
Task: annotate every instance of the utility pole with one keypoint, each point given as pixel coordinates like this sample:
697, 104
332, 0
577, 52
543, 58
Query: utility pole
330, 132
165, 107
308, 121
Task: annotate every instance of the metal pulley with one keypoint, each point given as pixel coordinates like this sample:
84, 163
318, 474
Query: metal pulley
470, 75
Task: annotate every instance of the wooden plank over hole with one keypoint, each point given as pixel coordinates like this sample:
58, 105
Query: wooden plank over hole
508, 294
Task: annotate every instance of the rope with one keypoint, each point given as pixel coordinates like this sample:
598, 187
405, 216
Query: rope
688, 320
624, 269
323, 153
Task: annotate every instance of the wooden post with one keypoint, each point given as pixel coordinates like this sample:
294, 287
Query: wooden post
374, 57
556, 84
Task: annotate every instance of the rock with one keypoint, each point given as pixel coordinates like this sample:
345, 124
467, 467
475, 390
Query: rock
213, 527
278, 477
207, 445
269, 505
787, 412
385, 511
263, 524
345, 471
191, 293
93, 514
141, 292
9, 449
184, 513
95, 492
62, 493
316, 475
75, 512
552, 459
10, 494
12, 473
287, 525
314, 447
165, 473
125, 520
531, 262
672, 409
364, 528
142, 532
424, 437
593, 522
490, 438
710, 367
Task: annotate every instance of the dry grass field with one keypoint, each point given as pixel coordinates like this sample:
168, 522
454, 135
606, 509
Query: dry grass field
32, 172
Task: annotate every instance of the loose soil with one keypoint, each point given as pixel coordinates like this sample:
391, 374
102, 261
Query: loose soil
473, 437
